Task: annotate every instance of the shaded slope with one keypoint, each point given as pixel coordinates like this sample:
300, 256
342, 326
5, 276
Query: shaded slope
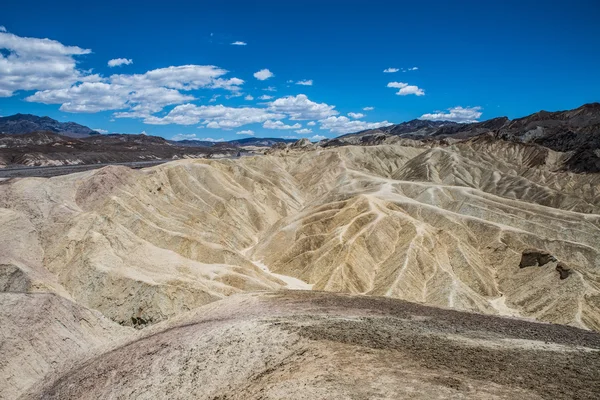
41, 332
299, 345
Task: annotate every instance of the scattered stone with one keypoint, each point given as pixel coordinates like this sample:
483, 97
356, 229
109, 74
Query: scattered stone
563, 270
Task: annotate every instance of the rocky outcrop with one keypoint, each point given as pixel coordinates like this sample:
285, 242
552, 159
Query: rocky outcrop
535, 258
13, 279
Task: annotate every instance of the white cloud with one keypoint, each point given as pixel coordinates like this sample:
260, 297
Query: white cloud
239, 43
249, 97
217, 116
185, 136
233, 95
311, 123
346, 125
265, 97
246, 132
391, 70
185, 77
455, 114
368, 108
2, 28
317, 138
290, 137
356, 115
214, 98
140, 94
304, 131
406, 89
270, 89
301, 108
306, 82
115, 62
103, 131
279, 125
36, 64
208, 139
99, 96
413, 69
263, 74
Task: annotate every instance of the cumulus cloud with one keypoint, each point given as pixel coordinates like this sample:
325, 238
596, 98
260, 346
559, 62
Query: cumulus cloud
115, 62
304, 131
2, 28
390, 70
306, 82
249, 97
455, 114
368, 108
265, 97
99, 96
217, 116
406, 89
301, 108
270, 89
103, 131
356, 115
185, 136
280, 125
214, 98
50, 68
36, 64
311, 123
290, 137
142, 94
263, 74
239, 43
413, 69
317, 138
346, 125
208, 139
246, 132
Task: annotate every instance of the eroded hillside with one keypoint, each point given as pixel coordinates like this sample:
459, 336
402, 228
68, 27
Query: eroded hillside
445, 226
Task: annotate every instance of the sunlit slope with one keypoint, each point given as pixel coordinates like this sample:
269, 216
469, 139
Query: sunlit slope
446, 226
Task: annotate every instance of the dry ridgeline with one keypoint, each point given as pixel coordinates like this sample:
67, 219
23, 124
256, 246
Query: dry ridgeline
420, 269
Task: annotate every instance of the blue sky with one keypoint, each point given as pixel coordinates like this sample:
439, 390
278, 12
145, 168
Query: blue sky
474, 60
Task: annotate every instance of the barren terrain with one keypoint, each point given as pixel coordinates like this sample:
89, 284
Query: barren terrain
483, 226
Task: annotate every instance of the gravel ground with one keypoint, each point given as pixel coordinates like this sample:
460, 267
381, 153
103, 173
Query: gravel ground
315, 345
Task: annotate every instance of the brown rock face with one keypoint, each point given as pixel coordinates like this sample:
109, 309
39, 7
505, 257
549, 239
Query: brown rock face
563, 270
535, 258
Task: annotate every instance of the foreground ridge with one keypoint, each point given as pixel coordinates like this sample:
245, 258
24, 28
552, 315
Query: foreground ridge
320, 345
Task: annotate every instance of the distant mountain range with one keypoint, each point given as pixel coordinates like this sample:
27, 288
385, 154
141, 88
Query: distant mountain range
20, 124
574, 131
251, 141
561, 131
49, 148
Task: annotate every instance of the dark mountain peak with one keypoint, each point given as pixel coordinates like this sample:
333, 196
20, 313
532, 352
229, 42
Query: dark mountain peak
20, 124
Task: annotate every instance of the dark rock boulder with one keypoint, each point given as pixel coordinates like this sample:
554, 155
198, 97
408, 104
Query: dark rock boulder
563, 271
535, 258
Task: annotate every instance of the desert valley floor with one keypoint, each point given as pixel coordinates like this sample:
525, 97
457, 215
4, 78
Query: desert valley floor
297, 274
